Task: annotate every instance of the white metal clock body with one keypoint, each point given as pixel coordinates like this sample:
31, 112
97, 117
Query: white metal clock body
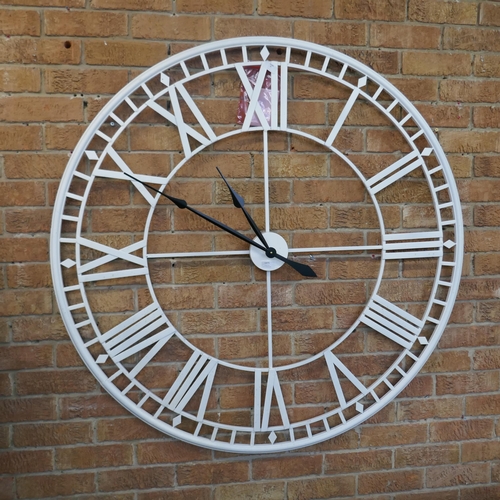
206, 337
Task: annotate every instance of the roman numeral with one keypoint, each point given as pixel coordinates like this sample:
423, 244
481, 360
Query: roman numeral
262, 414
199, 369
278, 94
398, 245
398, 169
111, 174
347, 109
111, 254
185, 131
136, 334
392, 322
334, 365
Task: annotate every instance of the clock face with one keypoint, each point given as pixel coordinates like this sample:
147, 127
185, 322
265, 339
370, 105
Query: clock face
256, 244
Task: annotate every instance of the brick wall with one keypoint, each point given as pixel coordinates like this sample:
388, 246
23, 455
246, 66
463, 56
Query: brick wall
61, 436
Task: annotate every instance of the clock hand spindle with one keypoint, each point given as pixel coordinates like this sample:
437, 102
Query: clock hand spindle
239, 202
303, 269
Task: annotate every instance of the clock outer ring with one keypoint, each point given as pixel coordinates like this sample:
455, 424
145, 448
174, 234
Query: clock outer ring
72, 166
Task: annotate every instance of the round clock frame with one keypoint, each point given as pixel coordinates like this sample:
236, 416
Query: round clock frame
148, 332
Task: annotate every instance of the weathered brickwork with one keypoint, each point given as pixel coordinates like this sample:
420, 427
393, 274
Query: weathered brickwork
60, 434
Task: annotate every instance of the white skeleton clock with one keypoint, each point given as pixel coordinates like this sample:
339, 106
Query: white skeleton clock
262, 285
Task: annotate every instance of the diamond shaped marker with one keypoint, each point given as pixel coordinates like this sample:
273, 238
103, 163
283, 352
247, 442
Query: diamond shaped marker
272, 437
164, 79
68, 263
359, 407
91, 155
423, 340
362, 82
177, 420
102, 358
264, 53
426, 151
449, 244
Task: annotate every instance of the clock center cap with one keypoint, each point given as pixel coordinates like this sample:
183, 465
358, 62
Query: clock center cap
266, 260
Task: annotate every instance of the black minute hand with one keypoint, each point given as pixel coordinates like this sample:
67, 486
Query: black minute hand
303, 269
239, 202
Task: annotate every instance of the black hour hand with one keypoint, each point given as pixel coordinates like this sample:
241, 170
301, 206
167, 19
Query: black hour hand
239, 202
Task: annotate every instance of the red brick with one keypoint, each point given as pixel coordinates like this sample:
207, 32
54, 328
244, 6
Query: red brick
286, 467
326, 487
39, 51
472, 39
178, 493
435, 63
90, 407
482, 405
445, 116
27, 409
21, 302
19, 79
28, 276
85, 81
5, 385
385, 482
488, 166
404, 36
136, 478
52, 434
20, 137
23, 109
429, 408
225, 27
22, 193
468, 91
124, 52
425, 456
81, 23
22, 462
43, 486
90, 457
38, 328
486, 264
176, 451
25, 357
486, 117
47, 3
482, 240
19, 22
487, 65
451, 475
125, 429
34, 165
132, 4
55, 382
326, 33
469, 141
392, 435
481, 451
269, 491
359, 461
28, 220
213, 473
442, 11
491, 492
385, 10
7, 488
173, 27
465, 383
461, 430
314, 8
